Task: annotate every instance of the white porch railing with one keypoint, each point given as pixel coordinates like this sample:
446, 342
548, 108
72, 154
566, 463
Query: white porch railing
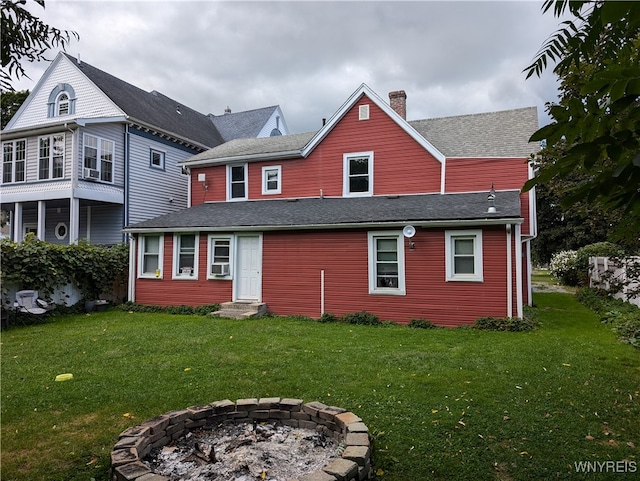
604, 273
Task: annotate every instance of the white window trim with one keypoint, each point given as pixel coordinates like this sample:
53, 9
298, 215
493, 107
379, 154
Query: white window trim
99, 156
176, 256
163, 156
51, 156
141, 245
59, 103
345, 174
450, 235
373, 288
265, 189
246, 182
210, 239
59, 226
14, 161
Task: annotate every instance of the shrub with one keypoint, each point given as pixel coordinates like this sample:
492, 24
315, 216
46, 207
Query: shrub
564, 267
363, 318
327, 317
599, 249
622, 317
422, 324
180, 310
512, 324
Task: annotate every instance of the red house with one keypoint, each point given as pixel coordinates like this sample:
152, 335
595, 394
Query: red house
406, 220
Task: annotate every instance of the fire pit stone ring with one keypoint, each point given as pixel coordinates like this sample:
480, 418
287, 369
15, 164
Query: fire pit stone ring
135, 443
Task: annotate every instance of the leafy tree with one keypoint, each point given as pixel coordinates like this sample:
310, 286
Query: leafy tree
25, 37
10, 103
598, 117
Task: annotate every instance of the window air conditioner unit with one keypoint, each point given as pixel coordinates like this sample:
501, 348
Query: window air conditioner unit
91, 174
220, 269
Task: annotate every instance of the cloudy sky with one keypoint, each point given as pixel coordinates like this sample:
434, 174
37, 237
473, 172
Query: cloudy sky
450, 58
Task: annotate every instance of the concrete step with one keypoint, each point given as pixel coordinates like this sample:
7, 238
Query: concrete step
241, 310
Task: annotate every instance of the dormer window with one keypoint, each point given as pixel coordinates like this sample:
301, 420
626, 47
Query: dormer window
62, 101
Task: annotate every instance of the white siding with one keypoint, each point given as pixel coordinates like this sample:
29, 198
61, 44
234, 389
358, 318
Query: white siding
90, 101
154, 192
275, 121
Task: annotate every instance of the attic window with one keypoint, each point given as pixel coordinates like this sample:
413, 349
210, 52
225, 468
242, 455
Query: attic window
62, 101
363, 112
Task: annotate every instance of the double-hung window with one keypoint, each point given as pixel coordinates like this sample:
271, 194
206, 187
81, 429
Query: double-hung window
185, 256
219, 257
357, 174
463, 253
150, 255
51, 157
386, 263
62, 104
98, 158
14, 154
237, 182
271, 180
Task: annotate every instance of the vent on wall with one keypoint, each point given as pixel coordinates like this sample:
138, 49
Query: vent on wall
364, 112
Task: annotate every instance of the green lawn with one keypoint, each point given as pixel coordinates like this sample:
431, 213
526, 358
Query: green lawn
441, 403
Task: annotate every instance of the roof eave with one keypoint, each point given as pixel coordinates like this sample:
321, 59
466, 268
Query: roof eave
289, 154
350, 225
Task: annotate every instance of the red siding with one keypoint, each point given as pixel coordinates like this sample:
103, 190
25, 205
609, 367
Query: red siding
295, 287
176, 292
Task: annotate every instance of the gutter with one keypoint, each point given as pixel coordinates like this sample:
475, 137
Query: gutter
351, 225
290, 154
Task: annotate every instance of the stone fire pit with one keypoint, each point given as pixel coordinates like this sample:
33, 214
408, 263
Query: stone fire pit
137, 454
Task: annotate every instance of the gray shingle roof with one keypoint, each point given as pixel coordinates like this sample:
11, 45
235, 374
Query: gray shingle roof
241, 125
491, 134
332, 212
153, 108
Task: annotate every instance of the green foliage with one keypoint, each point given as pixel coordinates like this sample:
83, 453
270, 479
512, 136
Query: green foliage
564, 267
362, 318
40, 265
511, 324
598, 116
10, 102
422, 324
26, 37
327, 317
176, 310
622, 317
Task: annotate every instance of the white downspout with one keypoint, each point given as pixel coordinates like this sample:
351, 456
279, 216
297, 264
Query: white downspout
322, 292
131, 291
509, 274
519, 273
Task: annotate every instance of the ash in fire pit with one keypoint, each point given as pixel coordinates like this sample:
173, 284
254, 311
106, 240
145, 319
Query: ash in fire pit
245, 452
269, 439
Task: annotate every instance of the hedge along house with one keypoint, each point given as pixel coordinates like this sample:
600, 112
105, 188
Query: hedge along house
88, 153
421, 219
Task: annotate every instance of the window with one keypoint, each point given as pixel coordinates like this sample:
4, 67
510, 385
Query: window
463, 253
271, 180
237, 182
61, 231
358, 174
386, 263
185, 256
62, 101
219, 257
51, 157
157, 159
98, 158
62, 104
150, 262
13, 161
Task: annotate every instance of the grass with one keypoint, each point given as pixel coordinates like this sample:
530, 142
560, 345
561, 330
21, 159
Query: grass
441, 404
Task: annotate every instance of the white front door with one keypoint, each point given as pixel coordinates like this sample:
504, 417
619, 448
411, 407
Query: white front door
248, 281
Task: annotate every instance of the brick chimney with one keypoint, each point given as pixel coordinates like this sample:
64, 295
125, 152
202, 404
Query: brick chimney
398, 102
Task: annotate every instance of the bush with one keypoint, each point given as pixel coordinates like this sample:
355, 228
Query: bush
512, 324
599, 249
327, 317
363, 318
622, 317
564, 267
422, 324
180, 310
